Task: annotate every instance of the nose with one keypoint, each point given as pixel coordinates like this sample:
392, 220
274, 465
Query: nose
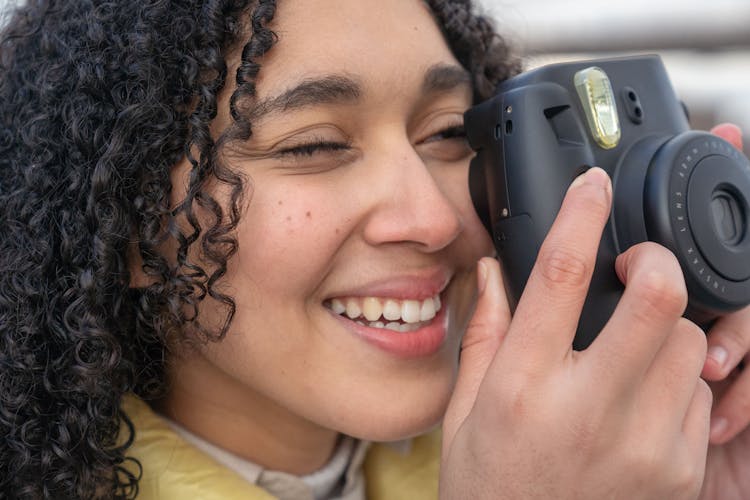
411, 202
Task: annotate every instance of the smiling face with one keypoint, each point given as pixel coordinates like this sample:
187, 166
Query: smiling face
355, 273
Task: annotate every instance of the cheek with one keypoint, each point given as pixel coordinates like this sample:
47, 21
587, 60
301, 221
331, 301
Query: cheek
480, 239
456, 187
288, 238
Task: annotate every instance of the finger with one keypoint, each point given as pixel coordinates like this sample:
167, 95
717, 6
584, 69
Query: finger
695, 427
547, 315
732, 413
730, 133
483, 336
654, 299
671, 378
728, 344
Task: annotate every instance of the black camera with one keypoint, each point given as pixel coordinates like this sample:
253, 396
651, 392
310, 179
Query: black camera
684, 189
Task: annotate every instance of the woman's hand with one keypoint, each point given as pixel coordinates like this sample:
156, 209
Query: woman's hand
626, 418
727, 475
728, 346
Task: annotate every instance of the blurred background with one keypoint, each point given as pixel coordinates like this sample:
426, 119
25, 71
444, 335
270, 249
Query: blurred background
704, 44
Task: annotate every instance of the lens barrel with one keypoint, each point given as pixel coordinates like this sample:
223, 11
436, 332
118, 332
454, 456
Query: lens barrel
696, 202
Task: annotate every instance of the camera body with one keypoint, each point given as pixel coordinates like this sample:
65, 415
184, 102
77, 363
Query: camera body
686, 190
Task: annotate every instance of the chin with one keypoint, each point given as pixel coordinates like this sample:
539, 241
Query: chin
399, 418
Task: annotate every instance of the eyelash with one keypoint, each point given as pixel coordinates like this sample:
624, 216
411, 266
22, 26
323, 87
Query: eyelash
315, 146
323, 146
452, 132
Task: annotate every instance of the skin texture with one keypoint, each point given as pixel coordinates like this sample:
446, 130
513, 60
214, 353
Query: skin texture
387, 214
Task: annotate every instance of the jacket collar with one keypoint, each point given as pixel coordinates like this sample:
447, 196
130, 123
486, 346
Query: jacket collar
172, 468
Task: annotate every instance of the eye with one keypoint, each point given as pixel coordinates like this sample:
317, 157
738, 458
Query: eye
312, 148
449, 144
452, 132
314, 154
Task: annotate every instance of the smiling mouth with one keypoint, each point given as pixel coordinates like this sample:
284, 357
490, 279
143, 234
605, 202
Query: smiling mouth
386, 313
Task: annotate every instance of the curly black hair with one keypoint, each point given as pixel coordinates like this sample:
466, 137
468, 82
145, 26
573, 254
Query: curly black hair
98, 101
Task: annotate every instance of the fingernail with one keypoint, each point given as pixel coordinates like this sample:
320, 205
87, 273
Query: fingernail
719, 355
595, 176
481, 276
718, 427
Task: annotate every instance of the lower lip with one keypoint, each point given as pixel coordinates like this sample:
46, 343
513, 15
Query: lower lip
418, 343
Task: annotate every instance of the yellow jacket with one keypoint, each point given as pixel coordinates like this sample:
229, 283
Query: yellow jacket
173, 469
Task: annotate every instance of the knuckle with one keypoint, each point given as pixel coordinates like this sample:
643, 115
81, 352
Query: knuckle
684, 356
687, 474
477, 323
686, 479
680, 477
644, 461
660, 294
563, 267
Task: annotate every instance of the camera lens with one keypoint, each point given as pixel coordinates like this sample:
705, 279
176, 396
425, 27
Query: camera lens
728, 216
696, 203
717, 208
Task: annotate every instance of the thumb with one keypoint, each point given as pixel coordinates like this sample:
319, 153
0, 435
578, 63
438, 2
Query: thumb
483, 336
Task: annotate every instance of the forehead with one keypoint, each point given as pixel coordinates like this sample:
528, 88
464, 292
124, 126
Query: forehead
383, 43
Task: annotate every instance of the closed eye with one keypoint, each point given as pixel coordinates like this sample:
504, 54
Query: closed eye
453, 132
447, 145
313, 147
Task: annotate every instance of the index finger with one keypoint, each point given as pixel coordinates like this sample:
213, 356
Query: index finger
547, 314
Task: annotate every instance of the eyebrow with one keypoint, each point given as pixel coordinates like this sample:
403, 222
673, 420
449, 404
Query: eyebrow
444, 78
310, 92
343, 89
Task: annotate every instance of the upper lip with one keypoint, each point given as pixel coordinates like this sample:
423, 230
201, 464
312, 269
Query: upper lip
416, 285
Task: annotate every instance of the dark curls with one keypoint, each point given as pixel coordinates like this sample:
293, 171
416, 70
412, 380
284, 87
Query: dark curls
98, 101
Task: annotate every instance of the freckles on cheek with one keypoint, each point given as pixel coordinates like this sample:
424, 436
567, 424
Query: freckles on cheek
294, 223
285, 242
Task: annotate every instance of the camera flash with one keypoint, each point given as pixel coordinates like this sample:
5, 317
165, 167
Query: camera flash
598, 101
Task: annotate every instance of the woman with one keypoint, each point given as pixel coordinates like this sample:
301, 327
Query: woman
238, 245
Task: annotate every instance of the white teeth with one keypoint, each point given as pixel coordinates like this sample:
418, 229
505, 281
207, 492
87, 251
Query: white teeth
352, 309
410, 311
337, 306
371, 308
391, 310
394, 314
427, 311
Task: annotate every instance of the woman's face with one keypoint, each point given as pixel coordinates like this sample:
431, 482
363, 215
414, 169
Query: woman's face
357, 220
